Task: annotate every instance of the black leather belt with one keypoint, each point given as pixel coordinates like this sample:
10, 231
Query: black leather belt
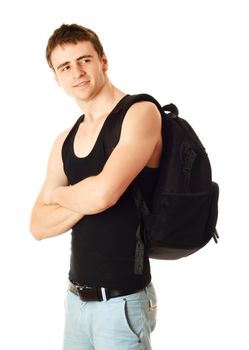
86, 293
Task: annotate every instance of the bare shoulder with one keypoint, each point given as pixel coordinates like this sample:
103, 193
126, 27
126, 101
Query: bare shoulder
145, 108
143, 115
144, 111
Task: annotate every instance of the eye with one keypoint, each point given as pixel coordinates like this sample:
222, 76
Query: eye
65, 68
84, 60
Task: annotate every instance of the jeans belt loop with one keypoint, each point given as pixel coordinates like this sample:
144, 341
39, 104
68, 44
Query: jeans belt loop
103, 292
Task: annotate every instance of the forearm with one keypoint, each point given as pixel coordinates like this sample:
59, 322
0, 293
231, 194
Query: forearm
87, 196
52, 220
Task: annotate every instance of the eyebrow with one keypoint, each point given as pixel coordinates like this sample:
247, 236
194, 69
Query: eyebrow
77, 59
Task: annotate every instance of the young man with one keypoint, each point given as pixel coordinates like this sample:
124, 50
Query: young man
111, 303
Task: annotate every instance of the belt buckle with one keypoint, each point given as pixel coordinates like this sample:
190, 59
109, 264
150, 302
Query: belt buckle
79, 287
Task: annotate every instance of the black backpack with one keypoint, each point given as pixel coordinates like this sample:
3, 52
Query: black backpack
185, 201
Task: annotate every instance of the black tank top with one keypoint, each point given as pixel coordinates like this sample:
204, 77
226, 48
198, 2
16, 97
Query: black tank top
105, 246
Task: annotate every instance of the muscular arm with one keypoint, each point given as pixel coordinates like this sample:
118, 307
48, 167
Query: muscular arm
48, 219
140, 135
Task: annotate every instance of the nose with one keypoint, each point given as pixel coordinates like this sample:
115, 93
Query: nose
77, 71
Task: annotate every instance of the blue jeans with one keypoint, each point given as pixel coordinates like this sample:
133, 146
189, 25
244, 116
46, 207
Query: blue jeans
122, 323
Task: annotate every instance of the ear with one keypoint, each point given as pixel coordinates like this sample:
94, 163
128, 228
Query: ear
105, 63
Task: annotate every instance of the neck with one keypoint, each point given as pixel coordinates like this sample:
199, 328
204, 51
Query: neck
102, 103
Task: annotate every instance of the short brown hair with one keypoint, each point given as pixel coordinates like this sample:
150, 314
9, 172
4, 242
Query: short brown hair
72, 33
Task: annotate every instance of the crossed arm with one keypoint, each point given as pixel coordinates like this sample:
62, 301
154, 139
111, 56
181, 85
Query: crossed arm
59, 206
50, 219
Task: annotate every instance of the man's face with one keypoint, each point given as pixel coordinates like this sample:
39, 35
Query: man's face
79, 69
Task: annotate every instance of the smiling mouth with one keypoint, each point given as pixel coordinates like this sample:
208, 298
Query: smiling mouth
82, 83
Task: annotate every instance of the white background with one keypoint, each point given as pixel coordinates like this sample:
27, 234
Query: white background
193, 53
